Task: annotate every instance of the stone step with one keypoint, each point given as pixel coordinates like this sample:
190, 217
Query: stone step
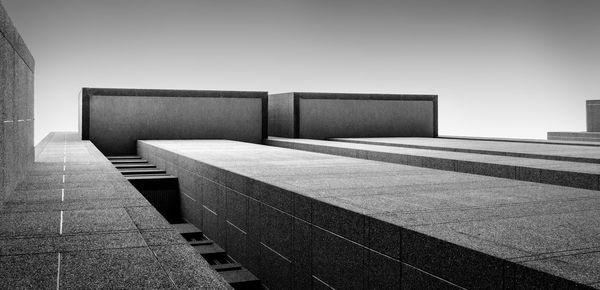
134, 165
141, 171
126, 161
123, 157
241, 279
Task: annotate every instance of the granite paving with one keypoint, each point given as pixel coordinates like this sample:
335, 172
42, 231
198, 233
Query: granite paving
76, 223
438, 228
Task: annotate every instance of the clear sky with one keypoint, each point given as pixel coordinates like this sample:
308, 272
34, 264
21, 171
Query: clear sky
510, 68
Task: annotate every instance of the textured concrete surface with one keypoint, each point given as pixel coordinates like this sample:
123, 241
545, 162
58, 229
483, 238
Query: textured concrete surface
75, 223
575, 153
114, 119
16, 106
592, 108
326, 115
574, 136
326, 220
565, 173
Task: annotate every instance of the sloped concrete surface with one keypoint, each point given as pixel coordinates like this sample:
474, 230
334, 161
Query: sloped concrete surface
76, 223
439, 229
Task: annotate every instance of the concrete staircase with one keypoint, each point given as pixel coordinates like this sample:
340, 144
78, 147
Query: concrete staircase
162, 191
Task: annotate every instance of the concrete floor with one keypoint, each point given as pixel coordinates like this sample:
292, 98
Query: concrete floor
76, 223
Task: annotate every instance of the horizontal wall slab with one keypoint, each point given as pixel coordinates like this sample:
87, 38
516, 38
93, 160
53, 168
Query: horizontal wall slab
302, 220
575, 136
114, 119
326, 115
564, 173
558, 152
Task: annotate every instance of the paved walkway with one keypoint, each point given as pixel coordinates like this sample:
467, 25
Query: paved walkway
76, 223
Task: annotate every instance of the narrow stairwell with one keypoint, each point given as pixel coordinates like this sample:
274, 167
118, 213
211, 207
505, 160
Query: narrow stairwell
162, 191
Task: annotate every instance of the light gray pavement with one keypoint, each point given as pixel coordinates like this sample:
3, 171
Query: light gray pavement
76, 223
565, 173
474, 231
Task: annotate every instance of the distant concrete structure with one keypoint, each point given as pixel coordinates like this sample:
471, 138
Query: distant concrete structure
17, 68
336, 115
114, 119
592, 109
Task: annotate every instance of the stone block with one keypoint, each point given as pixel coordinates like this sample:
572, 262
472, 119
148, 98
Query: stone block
382, 272
85, 221
275, 279
302, 279
383, 237
413, 278
441, 258
337, 261
341, 221
236, 244
36, 271
571, 179
276, 230
302, 245
29, 223
146, 218
237, 209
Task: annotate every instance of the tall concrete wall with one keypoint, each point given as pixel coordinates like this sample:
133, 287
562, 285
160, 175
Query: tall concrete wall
330, 115
16, 106
114, 119
593, 115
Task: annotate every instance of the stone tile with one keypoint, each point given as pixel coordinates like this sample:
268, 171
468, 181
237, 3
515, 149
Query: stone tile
62, 243
441, 258
29, 224
188, 269
123, 268
381, 272
302, 245
337, 261
280, 279
276, 230
146, 218
383, 237
254, 219
237, 208
236, 244
302, 279
103, 220
37, 271
413, 278
339, 220
162, 237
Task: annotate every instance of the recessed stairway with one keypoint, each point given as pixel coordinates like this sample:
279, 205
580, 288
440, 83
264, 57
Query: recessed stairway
162, 191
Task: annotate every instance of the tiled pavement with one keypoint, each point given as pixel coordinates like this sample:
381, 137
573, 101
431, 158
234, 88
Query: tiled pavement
75, 222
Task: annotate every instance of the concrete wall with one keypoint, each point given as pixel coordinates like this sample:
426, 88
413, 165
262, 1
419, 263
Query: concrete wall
330, 115
114, 119
16, 106
593, 115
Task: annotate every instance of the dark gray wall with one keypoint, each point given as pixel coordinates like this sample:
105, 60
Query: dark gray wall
593, 115
16, 106
115, 119
330, 115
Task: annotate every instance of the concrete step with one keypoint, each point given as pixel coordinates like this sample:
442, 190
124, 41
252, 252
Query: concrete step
209, 249
187, 228
563, 173
241, 279
134, 165
141, 171
126, 161
123, 157
153, 177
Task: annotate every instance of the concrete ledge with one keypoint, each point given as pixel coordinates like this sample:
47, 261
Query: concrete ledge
571, 174
575, 136
326, 115
298, 218
113, 119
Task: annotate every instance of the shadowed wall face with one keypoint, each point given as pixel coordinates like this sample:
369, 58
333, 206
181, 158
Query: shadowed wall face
329, 115
16, 106
593, 115
116, 121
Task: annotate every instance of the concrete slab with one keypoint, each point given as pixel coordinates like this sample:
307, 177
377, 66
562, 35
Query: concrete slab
442, 228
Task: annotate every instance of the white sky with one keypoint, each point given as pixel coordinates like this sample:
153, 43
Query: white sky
511, 68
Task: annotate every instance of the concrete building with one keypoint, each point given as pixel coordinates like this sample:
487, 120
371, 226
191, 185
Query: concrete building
348, 192
592, 110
